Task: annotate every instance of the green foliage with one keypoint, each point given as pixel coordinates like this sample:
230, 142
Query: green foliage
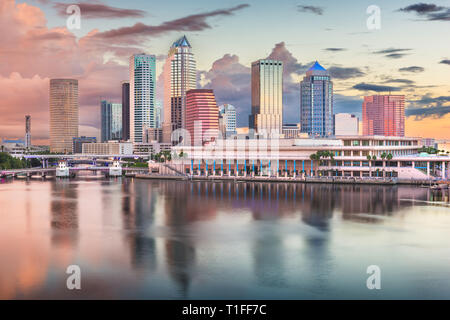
322, 154
8, 162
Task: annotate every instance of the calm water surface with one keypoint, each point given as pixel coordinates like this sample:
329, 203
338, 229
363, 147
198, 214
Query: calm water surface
141, 239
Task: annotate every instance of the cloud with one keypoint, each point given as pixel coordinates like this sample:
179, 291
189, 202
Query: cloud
32, 53
445, 61
391, 50
100, 11
428, 106
429, 11
413, 69
345, 73
195, 22
420, 113
393, 53
290, 63
334, 49
310, 9
405, 81
231, 83
374, 87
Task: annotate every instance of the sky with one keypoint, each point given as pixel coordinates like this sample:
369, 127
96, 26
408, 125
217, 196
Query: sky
409, 53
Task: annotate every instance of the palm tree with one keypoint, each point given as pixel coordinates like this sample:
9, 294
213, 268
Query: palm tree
389, 156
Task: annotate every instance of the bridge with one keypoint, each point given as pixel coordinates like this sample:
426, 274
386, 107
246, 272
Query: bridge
44, 172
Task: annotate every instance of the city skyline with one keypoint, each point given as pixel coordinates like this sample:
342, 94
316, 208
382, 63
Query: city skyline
400, 56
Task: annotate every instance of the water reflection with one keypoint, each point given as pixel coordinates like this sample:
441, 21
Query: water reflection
169, 239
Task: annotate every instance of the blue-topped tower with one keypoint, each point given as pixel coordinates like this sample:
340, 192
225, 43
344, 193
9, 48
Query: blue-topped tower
316, 102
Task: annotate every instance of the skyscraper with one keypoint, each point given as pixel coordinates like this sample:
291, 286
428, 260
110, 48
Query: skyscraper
180, 76
111, 121
267, 97
27, 131
384, 115
125, 110
63, 114
316, 102
227, 113
158, 114
202, 115
142, 94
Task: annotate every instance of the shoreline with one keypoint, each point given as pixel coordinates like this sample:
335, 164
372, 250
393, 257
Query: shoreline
330, 180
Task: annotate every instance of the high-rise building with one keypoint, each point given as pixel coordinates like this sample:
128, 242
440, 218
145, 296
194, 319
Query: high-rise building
180, 76
158, 113
125, 110
78, 143
202, 116
346, 124
267, 97
384, 115
27, 131
227, 119
63, 114
316, 102
111, 121
142, 95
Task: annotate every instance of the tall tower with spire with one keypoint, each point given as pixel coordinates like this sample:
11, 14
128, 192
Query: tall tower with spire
180, 76
316, 102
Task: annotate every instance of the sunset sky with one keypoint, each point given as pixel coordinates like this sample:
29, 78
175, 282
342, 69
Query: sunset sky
409, 54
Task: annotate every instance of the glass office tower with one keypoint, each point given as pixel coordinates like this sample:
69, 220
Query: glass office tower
384, 115
267, 97
111, 121
63, 114
180, 76
316, 102
142, 95
125, 110
227, 114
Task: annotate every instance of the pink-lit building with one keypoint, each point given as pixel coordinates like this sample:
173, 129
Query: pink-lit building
384, 115
202, 116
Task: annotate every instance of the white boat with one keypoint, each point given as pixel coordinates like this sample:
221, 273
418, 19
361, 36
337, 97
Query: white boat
62, 170
115, 170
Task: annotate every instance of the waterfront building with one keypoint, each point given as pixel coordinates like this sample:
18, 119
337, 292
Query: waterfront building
291, 131
227, 120
142, 94
108, 148
352, 157
111, 121
266, 116
125, 110
384, 115
79, 141
63, 114
180, 76
346, 124
150, 148
202, 116
27, 131
316, 102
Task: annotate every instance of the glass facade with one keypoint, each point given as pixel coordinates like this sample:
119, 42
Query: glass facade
316, 102
267, 97
142, 95
63, 114
111, 121
180, 76
227, 113
384, 115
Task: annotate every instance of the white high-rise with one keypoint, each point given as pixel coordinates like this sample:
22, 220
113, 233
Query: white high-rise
180, 76
142, 95
227, 115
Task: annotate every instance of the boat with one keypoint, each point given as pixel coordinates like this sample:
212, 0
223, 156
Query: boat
115, 170
62, 170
